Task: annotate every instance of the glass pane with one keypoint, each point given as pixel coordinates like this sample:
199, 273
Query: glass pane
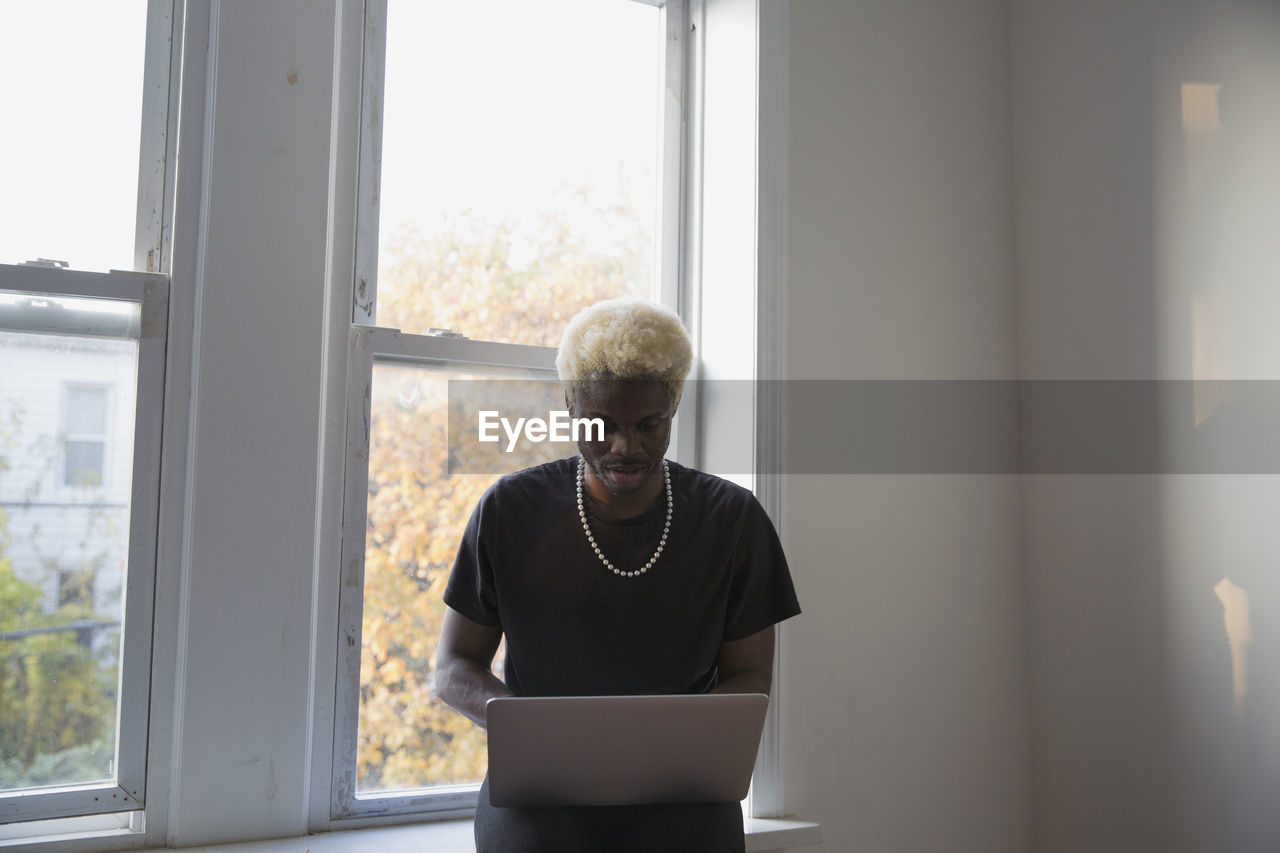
520, 163
417, 512
86, 410
63, 538
71, 103
84, 463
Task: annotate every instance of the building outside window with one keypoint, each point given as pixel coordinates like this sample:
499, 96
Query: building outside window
85, 440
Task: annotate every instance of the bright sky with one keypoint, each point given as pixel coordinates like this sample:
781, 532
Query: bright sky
71, 112
506, 106
501, 106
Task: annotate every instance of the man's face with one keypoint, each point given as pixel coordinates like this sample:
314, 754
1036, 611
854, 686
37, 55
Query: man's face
637, 417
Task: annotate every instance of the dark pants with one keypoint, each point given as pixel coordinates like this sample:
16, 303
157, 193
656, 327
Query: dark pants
682, 828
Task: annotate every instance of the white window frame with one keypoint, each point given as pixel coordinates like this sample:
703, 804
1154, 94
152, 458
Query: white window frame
119, 802
150, 292
369, 344
737, 255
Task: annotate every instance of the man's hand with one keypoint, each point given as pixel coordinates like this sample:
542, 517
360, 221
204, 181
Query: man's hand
463, 660
746, 665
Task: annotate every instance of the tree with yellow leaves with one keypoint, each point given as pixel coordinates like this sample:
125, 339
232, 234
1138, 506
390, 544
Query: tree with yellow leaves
466, 280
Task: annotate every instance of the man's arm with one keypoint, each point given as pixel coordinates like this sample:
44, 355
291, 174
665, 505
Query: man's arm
463, 660
746, 665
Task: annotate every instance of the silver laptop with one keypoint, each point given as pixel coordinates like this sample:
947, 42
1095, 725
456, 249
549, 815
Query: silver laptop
623, 750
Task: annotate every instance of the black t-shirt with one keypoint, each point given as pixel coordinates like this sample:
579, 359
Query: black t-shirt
574, 628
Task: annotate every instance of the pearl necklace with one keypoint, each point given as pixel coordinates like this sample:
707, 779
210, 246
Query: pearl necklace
591, 540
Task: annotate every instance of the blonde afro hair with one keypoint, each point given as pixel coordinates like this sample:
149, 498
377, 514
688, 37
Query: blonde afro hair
627, 337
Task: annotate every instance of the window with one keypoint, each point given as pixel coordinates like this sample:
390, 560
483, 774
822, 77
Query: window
525, 161
82, 356
77, 544
85, 441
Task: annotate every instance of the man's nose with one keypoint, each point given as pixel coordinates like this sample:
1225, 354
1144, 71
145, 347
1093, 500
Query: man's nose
624, 443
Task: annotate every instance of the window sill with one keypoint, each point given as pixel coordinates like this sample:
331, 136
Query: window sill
780, 833
449, 836
112, 831
454, 836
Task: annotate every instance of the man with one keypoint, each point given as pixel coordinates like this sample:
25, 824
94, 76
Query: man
614, 573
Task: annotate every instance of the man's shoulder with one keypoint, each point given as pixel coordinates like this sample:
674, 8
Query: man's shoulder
711, 488
534, 482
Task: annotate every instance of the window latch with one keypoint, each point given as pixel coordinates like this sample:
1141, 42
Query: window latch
48, 263
445, 333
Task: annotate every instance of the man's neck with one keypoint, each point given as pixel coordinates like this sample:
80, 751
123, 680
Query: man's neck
611, 507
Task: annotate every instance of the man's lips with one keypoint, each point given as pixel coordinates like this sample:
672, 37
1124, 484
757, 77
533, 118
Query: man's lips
626, 473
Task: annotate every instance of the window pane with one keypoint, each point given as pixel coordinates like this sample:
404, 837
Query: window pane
63, 539
71, 102
84, 463
520, 163
86, 410
416, 515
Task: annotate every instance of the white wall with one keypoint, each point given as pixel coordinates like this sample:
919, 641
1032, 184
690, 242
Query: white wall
904, 710
1145, 213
